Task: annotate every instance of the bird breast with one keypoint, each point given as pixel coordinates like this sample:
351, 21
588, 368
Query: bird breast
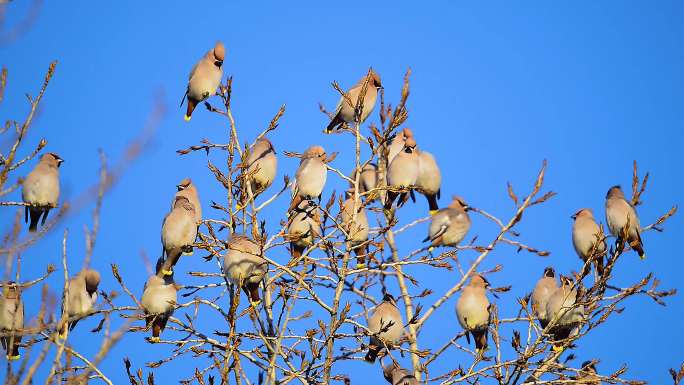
179, 229
429, 177
403, 171
472, 309
384, 313
311, 177
243, 266
205, 80
11, 314
41, 187
159, 299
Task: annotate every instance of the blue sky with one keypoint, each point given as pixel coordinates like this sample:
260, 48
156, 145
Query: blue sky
589, 86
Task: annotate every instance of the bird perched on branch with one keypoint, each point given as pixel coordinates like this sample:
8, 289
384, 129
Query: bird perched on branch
429, 179
398, 143
396, 375
450, 225
310, 176
159, 301
244, 265
303, 228
81, 296
545, 287
472, 311
386, 327
368, 180
345, 113
356, 228
40, 190
204, 78
588, 375
563, 313
188, 190
587, 238
179, 231
262, 164
621, 217
402, 174
11, 320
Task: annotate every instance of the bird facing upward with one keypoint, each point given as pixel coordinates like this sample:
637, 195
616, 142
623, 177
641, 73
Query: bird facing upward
619, 215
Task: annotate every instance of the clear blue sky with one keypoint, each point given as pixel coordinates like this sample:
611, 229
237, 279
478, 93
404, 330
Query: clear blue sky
590, 86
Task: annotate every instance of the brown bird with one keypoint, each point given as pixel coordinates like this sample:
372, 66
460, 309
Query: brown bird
204, 78
244, 265
179, 231
11, 320
386, 327
40, 190
449, 226
398, 143
303, 228
188, 190
159, 298
472, 310
262, 164
587, 238
356, 228
429, 179
367, 181
310, 176
588, 375
619, 213
81, 296
402, 173
562, 308
545, 287
345, 113
396, 375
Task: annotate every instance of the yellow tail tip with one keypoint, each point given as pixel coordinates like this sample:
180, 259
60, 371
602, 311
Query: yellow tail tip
191, 252
557, 348
187, 118
255, 303
360, 265
154, 340
642, 257
433, 212
167, 272
431, 249
13, 358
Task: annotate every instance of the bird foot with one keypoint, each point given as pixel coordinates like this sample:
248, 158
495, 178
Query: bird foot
13, 357
154, 340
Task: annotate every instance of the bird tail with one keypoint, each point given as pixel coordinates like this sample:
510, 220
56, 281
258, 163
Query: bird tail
35, 218
480, 337
390, 199
372, 353
296, 251
432, 202
361, 257
192, 103
335, 123
638, 247
172, 257
252, 289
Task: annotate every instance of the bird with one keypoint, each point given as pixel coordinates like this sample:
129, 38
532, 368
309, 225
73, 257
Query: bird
368, 180
160, 294
11, 320
244, 265
179, 231
81, 296
386, 327
355, 227
587, 238
543, 290
402, 173
262, 164
345, 113
472, 311
396, 375
397, 144
40, 190
310, 176
450, 225
188, 190
204, 78
587, 375
303, 228
619, 212
429, 179
562, 308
